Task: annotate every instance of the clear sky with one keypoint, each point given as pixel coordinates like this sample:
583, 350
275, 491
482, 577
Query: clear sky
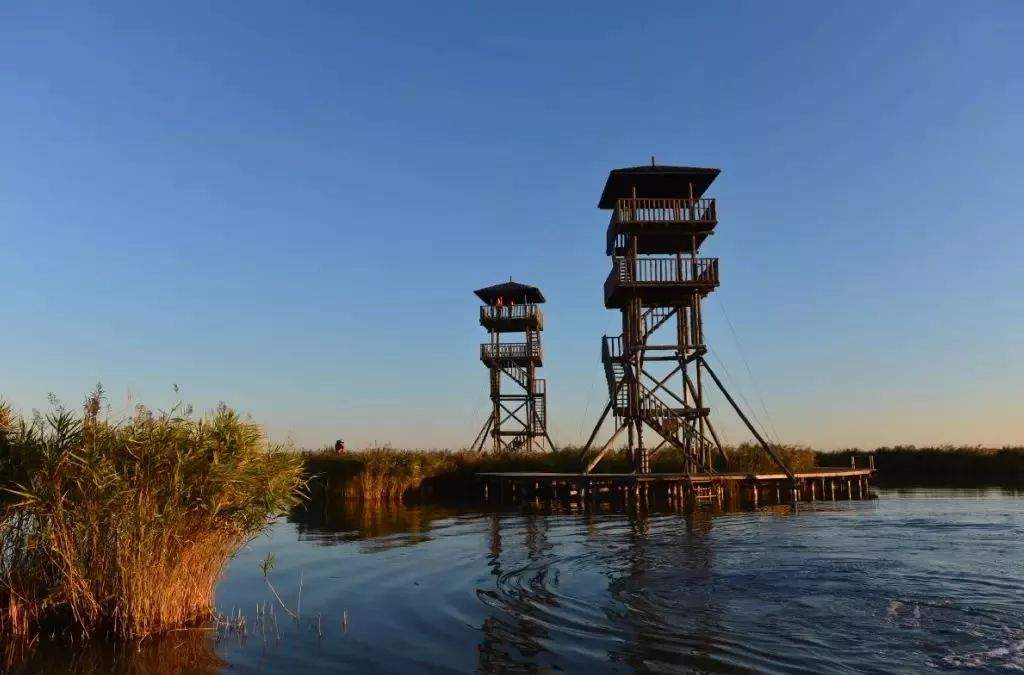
286, 206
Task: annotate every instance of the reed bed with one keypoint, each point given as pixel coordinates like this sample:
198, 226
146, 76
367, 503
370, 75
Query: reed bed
389, 474
946, 465
751, 458
125, 526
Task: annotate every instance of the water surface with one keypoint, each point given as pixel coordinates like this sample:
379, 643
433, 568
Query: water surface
919, 579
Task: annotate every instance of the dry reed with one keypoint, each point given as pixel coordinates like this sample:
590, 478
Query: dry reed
126, 526
388, 474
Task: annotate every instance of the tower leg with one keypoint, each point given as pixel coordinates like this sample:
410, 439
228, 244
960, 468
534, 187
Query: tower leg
496, 403
632, 448
641, 451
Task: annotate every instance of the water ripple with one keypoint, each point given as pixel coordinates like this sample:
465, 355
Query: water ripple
905, 583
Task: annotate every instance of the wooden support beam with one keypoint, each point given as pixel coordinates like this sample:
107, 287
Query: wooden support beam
512, 414
711, 428
651, 453
647, 393
597, 427
663, 358
660, 384
607, 446
550, 442
739, 411
482, 435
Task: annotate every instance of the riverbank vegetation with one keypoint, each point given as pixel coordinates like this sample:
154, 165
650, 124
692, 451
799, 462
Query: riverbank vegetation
382, 474
124, 526
388, 474
948, 465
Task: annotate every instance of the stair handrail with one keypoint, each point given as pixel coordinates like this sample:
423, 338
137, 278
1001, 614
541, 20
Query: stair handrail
667, 412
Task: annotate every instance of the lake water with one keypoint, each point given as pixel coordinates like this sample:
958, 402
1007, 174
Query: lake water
916, 580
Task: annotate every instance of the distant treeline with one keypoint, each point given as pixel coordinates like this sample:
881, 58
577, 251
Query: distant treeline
956, 466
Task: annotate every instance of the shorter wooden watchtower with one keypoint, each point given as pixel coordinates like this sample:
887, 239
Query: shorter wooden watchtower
518, 418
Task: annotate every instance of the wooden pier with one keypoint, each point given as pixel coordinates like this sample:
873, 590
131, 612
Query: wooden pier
656, 369
732, 490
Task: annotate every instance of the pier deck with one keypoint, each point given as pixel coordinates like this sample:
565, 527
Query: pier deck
657, 477
742, 489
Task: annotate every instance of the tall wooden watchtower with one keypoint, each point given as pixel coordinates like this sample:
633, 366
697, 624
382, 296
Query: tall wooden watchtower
518, 418
656, 369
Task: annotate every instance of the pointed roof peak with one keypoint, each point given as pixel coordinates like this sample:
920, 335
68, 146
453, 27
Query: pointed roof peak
512, 291
656, 180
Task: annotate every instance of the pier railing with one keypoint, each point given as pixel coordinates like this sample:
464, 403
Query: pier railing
663, 210
611, 347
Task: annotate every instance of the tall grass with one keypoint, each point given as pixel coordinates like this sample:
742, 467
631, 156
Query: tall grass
387, 474
125, 526
751, 458
380, 474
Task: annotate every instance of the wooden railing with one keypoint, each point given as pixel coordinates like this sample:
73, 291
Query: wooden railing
665, 270
652, 408
509, 312
612, 347
509, 350
661, 210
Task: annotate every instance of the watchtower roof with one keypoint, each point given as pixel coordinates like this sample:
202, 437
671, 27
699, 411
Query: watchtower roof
656, 181
511, 291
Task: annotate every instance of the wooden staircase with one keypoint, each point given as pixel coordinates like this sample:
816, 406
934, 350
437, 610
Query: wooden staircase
674, 425
540, 403
654, 318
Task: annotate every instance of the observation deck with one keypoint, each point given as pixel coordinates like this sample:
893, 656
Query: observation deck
511, 354
664, 225
659, 281
514, 319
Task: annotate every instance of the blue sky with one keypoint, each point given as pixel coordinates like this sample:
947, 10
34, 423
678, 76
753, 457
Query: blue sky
286, 206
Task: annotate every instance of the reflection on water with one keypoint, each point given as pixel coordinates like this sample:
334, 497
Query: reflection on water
326, 524
180, 652
922, 579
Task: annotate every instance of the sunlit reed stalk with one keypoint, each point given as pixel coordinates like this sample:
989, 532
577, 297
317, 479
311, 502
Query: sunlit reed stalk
126, 525
389, 475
